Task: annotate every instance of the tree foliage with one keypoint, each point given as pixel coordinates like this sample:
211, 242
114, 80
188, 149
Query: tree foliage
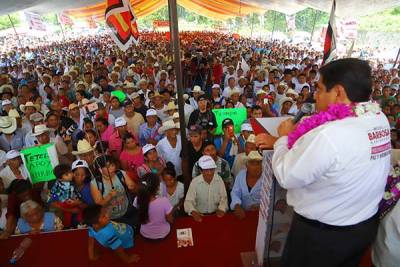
5, 22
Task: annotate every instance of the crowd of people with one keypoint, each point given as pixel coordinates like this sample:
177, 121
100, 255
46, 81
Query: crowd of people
114, 121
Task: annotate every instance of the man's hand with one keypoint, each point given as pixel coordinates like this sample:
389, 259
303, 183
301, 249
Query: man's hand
286, 127
5, 234
197, 216
265, 141
220, 213
239, 212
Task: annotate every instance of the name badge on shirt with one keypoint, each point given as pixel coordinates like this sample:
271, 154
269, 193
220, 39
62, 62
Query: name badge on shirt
381, 146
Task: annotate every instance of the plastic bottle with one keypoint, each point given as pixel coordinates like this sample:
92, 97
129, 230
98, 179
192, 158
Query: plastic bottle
20, 250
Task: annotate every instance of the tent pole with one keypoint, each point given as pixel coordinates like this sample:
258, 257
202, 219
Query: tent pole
397, 58
173, 24
15, 31
252, 26
59, 24
273, 27
313, 26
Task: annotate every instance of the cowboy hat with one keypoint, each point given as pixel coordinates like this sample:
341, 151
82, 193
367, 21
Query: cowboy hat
168, 125
83, 147
197, 89
40, 129
157, 94
5, 86
8, 125
171, 106
29, 104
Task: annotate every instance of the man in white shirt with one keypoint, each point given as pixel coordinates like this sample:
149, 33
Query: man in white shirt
335, 174
207, 193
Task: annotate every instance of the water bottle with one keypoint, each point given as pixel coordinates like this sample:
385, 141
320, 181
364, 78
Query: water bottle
19, 251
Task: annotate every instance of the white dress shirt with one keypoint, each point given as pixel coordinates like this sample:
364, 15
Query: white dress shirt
337, 172
169, 153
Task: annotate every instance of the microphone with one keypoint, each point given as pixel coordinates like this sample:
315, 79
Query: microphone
307, 108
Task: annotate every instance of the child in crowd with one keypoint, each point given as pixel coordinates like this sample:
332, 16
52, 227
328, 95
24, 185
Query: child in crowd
171, 188
65, 197
82, 179
155, 213
113, 235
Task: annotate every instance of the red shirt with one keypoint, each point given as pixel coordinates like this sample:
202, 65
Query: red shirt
218, 73
14, 202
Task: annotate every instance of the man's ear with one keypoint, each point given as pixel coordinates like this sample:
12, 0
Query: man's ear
341, 94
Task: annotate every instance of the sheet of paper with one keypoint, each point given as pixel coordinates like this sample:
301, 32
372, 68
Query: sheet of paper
184, 237
271, 124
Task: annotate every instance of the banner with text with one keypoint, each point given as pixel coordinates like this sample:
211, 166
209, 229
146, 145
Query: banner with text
40, 162
237, 115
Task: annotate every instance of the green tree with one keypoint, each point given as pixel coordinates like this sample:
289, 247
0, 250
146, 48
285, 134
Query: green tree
5, 21
305, 19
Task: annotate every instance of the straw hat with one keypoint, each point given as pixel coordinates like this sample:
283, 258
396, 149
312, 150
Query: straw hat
8, 125
83, 147
254, 155
6, 86
29, 104
197, 89
171, 106
13, 113
40, 129
157, 94
168, 125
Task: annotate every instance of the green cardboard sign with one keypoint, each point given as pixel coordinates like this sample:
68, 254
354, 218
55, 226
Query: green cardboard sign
39, 162
237, 115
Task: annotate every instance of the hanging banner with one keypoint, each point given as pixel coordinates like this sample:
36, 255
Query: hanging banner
237, 115
291, 22
64, 19
40, 162
121, 20
35, 21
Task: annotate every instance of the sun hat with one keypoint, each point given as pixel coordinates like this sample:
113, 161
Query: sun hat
291, 91
260, 92
157, 94
171, 106
234, 91
36, 117
40, 129
12, 154
79, 163
285, 99
197, 89
206, 163
251, 139
146, 148
8, 125
151, 112
6, 86
72, 106
29, 104
134, 95
83, 147
129, 85
168, 125
119, 122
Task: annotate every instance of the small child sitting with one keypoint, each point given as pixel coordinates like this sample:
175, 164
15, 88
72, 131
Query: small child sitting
117, 236
155, 213
171, 188
65, 197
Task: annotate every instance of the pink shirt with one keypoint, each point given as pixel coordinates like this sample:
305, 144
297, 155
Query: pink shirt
107, 133
115, 142
134, 161
157, 227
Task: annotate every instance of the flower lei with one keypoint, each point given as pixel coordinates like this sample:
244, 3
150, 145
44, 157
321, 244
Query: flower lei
392, 191
334, 112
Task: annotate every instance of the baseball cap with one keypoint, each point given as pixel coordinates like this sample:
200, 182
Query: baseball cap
6, 102
147, 148
215, 86
12, 154
207, 162
246, 127
119, 122
79, 163
36, 117
227, 122
151, 112
195, 129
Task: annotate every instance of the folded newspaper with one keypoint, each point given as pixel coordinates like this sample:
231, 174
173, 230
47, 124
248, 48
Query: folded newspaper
184, 237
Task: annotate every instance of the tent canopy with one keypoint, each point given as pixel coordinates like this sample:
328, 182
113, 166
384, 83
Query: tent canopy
218, 9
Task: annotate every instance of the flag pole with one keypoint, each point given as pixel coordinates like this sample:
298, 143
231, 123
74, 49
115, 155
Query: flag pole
15, 31
173, 26
397, 58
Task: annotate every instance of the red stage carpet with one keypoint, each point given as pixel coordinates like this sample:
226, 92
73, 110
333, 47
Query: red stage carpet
217, 242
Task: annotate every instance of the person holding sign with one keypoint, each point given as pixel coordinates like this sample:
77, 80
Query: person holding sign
334, 166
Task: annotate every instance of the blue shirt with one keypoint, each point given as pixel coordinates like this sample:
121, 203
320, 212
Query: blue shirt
240, 192
17, 141
145, 133
113, 235
86, 195
218, 144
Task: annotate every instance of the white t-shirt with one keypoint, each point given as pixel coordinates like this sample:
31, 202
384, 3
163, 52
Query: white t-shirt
259, 85
336, 173
168, 153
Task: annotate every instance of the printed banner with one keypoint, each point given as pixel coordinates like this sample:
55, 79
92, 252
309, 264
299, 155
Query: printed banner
35, 21
160, 23
64, 19
237, 115
40, 162
121, 20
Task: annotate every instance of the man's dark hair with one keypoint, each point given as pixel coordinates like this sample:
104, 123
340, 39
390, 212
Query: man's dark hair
91, 214
256, 107
351, 73
19, 186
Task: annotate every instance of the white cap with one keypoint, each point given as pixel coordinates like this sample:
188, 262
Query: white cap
207, 162
246, 127
79, 163
147, 148
119, 122
6, 102
254, 155
156, 64
215, 86
151, 112
12, 154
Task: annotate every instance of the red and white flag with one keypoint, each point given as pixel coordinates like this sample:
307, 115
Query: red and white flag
65, 19
122, 22
35, 21
330, 37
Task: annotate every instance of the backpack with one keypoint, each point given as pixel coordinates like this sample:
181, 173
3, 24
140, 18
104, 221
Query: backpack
121, 178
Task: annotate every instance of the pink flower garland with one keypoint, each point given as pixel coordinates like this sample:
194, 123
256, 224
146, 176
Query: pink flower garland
334, 112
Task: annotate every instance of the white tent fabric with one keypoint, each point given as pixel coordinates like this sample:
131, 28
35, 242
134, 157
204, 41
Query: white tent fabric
345, 8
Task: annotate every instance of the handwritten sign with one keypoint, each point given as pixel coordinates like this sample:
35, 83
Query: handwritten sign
237, 115
40, 162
